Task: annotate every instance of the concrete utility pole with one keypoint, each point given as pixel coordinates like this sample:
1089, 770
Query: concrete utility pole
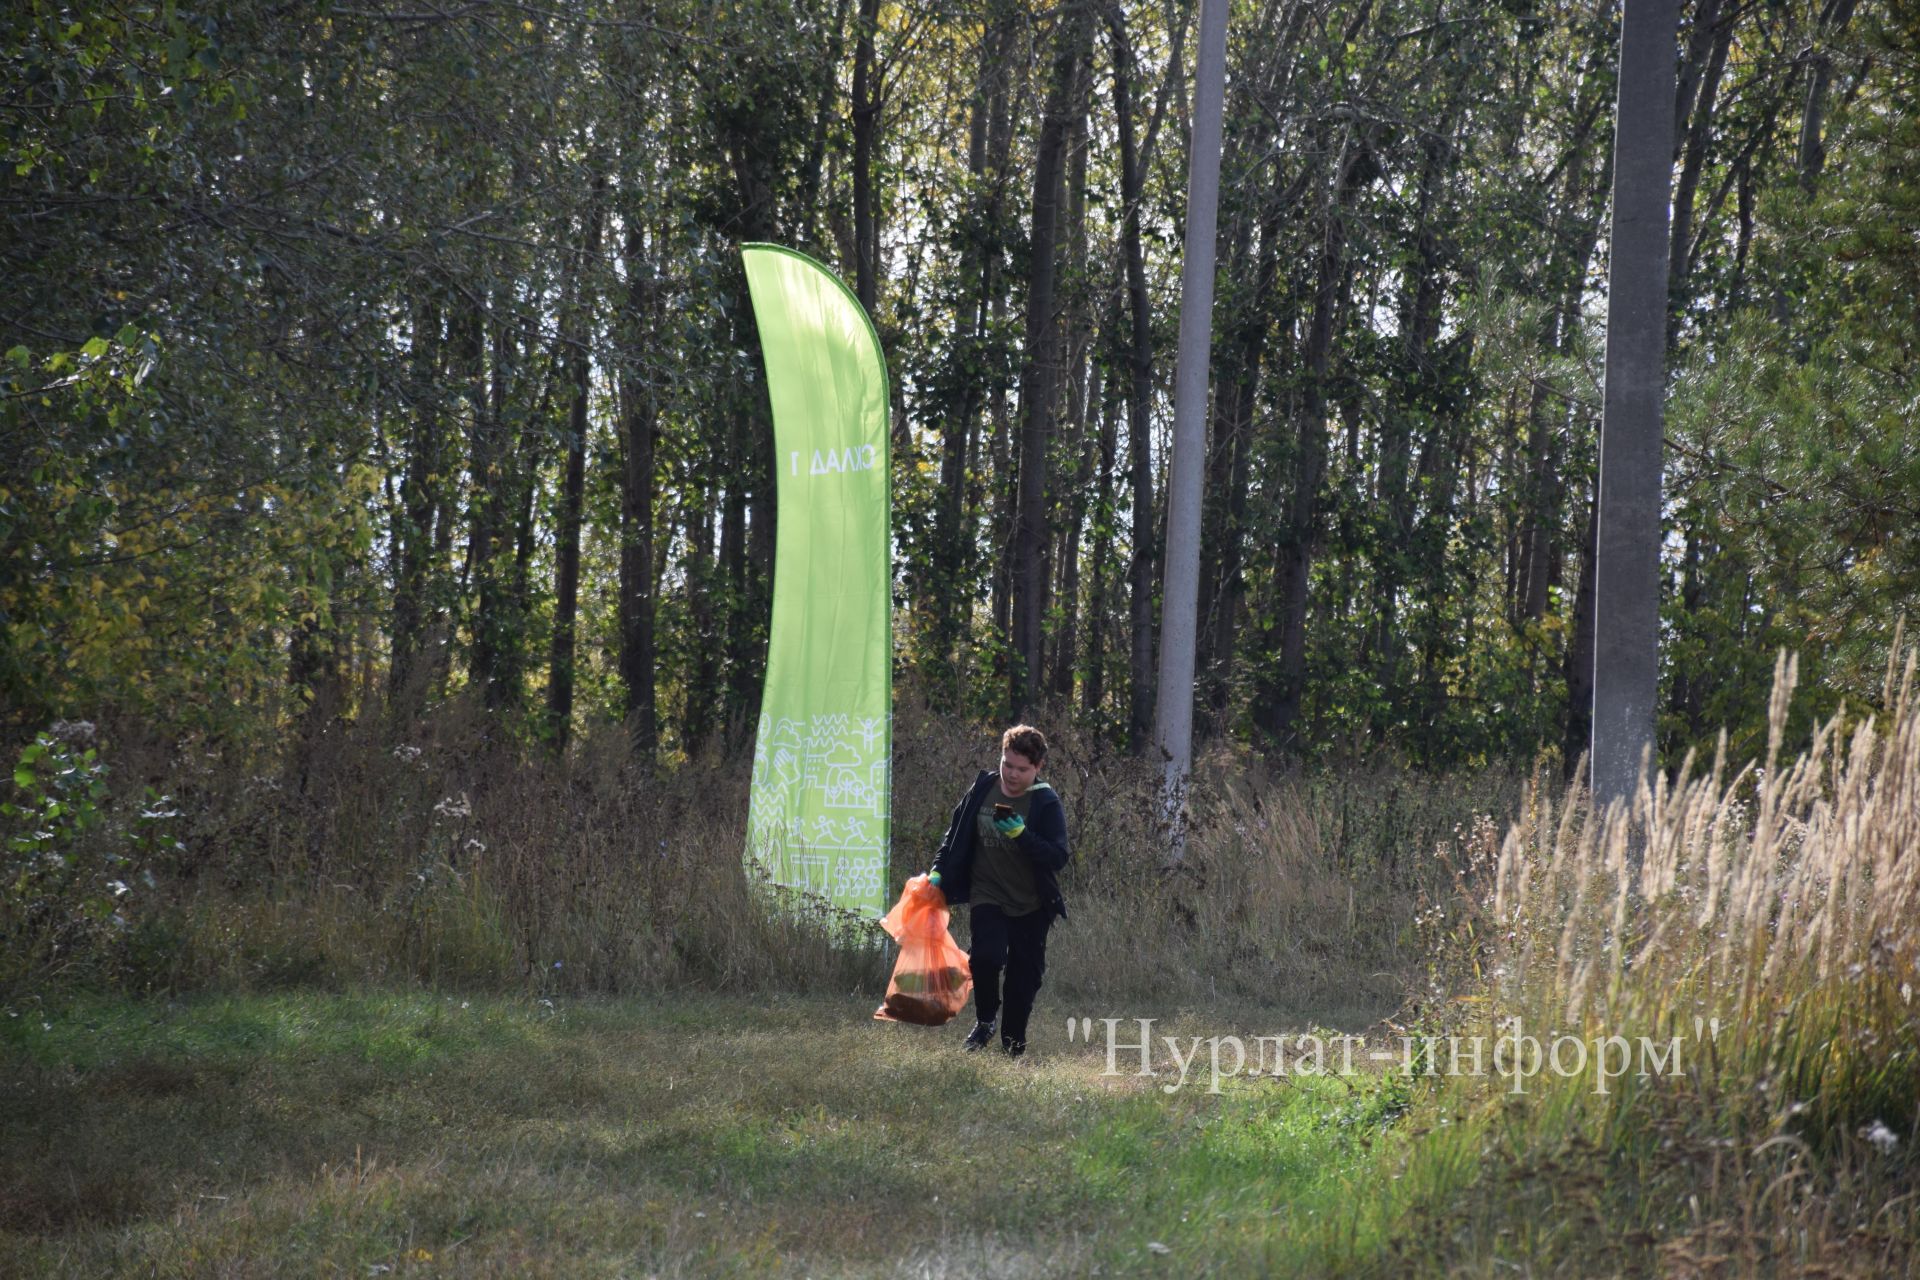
1627, 547
1180, 602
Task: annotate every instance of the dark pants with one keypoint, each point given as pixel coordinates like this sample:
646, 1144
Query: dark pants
1017, 944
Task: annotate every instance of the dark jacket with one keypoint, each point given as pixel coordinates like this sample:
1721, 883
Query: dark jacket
1044, 842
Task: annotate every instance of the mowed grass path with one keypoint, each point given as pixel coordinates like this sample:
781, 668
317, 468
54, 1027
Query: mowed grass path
419, 1134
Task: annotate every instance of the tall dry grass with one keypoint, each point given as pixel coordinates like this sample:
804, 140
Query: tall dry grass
1766, 916
445, 855
1782, 900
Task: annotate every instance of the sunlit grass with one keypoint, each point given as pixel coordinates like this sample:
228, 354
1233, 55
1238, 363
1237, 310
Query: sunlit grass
1770, 919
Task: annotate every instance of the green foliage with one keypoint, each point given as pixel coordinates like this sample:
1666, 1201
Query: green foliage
295, 298
76, 872
1796, 462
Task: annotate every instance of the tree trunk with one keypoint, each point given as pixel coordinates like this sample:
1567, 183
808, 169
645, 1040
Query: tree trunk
1093, 691
703, 681
488, 506
1716, 35
1251, 238
1420, 307
809, 205
747, 513
1140, 569
1243, 351
413, 523
1577, 237
1066, 643
1813, 150
866, 114
638, 414
319, 656
1281, 685
560, 670
988, 138
1072, 506
1039, 378
1446, 453
536, 435
1579, 736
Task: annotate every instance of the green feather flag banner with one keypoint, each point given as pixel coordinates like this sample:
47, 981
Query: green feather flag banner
819, 812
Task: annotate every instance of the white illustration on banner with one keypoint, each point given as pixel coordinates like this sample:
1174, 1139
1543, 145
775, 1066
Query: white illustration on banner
832, 769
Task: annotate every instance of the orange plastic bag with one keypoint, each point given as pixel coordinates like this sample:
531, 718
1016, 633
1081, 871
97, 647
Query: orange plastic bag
931, 979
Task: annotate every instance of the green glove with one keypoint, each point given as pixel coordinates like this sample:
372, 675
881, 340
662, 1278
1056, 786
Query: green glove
933, 878
1010, 826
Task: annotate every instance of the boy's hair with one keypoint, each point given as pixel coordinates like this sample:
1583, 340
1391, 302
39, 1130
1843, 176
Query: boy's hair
1027, 740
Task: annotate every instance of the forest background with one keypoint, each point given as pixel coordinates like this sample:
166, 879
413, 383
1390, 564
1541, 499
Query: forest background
386, 521
371, 367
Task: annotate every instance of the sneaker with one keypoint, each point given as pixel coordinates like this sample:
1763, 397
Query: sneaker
1014, 1048
979, 1037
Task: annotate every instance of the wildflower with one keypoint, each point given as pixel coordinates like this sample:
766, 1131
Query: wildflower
1883, 1139
74, 731
406, 753
454, 806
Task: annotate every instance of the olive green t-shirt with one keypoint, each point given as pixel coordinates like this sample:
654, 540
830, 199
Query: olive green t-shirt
1001, 873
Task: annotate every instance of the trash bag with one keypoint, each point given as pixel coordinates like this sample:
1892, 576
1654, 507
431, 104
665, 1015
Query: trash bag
931, 979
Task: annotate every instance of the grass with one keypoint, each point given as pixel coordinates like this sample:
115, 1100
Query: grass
1777, 902
393, 1133
454, 860
562, 1057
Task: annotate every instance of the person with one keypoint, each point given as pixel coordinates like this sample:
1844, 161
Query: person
1003, 853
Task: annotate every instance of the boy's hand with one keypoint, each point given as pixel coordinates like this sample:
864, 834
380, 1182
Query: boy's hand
1010, 826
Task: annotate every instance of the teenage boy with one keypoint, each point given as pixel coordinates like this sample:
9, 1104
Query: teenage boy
1002, 853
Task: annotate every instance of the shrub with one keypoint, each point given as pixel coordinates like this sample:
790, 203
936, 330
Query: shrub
76, 872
